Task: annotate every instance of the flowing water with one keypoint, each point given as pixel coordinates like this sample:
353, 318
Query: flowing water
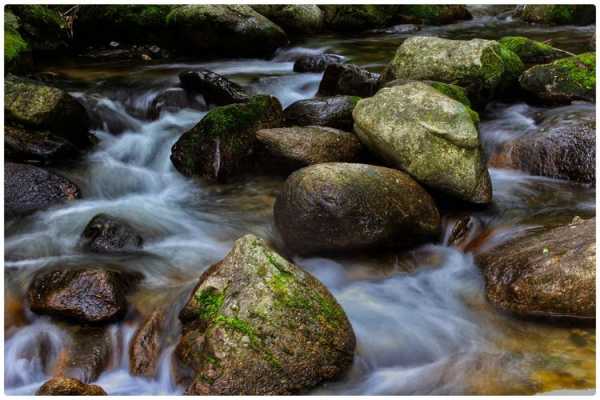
421, 319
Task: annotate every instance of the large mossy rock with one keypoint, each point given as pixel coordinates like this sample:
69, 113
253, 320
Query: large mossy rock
16, 49
341, 207
453, 91
546, 273
359, 17
256, 324
221, 145
482, 67
562, 147
42, 27
564, 80
417, 129
226, 30
532, 52
295, 19
558, 14
69, 387
335, 112
36, 106
28, 189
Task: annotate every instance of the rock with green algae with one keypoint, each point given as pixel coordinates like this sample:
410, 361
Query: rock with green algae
427, 134
344, 207
558, 14
532, 52
256, 324
293, 18
222, 144
42, 27
482, 67
546, 273
15, 47
63, 386
226, 30
436, 14
564, 80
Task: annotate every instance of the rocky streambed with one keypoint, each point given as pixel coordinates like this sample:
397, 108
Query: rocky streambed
388, 201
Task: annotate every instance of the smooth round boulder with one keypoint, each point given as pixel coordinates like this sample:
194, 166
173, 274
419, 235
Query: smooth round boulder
532, 52
341, 207
348, 79
215, 88
107, 234
69, 387
563, 81
297, 147
335, 112
545, 273
429, 135
28, 189
295, 19
256, 324
316, 62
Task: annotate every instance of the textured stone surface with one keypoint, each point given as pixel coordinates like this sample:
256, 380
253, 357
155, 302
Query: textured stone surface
106, 234
335, 112
69, 387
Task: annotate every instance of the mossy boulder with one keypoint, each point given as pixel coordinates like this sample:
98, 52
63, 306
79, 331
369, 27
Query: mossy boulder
564, 80
69, 387
222, 144
295, 19
335, 112
225, 30
359, 17
558, 14
256, 324
417, 129
532, 52
42, 27
482, 67
563, 146
16, 49
431, 14
546, 273
343, 207
295, 147
348, 79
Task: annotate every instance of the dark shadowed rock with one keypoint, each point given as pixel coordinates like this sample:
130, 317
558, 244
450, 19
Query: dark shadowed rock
316, 62
295, 19
28, 189
173, 100
69, 387
297, 147
215, 88
145, 347
222, 144
343, 207
546, 273
558, 14
107, 234
257, 324
80, 294
563, 147
42, 147
348, 79
335, 112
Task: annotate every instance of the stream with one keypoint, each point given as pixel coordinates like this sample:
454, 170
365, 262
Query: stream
421, 319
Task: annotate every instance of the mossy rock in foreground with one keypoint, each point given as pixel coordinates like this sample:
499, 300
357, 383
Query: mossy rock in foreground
257, 324
532, 52
564, 80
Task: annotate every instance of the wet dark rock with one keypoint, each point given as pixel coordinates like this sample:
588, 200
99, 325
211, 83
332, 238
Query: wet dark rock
296, 147
545, 273
316, 62
28, 189
563, 147
173, 100
145, 346
464, 231
256, 324
348, 79
82, 294
295, 19
335, 112
108, 234
341, 207
215, 88
222, 144
30, 146
69, 387
558, 14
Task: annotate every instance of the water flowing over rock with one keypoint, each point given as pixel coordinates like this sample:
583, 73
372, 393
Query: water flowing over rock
316, 62
69, 387
297, 147
145, 347
427, 134
348, 79
545, 274
258, 325
341, 207
335, 112
28, 189
558, 14
563, 81
107, 234
532, 52
222, 144
173, 100
80, 294
215, 88
562, 147
228, 30
295, 19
